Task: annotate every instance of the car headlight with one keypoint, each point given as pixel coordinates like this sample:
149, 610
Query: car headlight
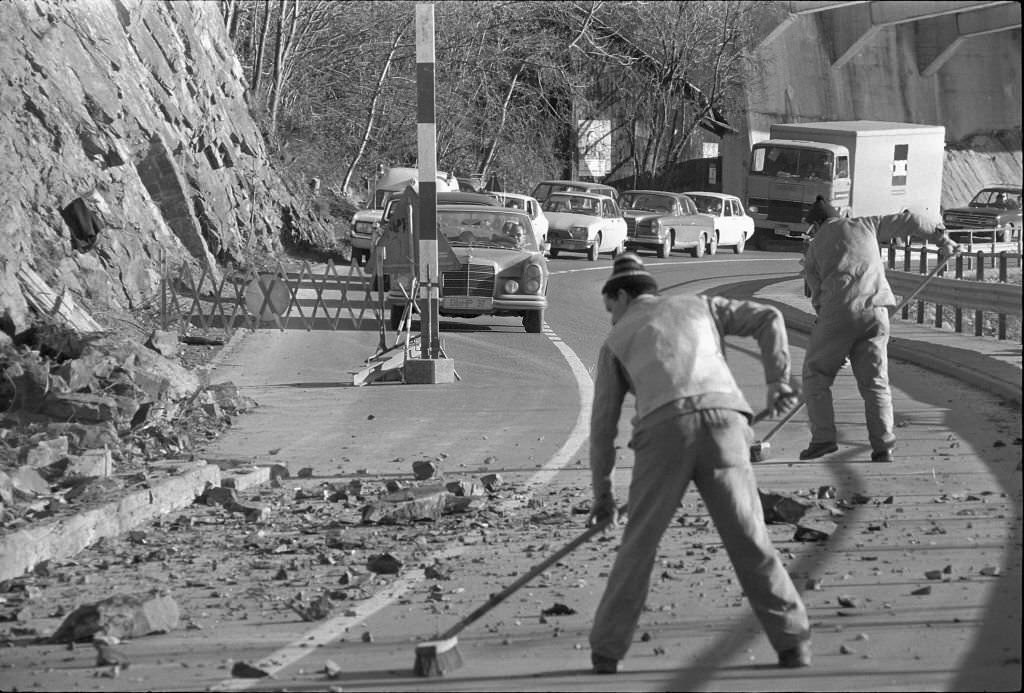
511, 286
752, 209
578, 231
532, 278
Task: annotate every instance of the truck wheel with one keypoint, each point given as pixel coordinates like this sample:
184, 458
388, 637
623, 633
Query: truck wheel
533, 321
665, 249
396, 317
698, 250
595, 249
741, 245
713, 244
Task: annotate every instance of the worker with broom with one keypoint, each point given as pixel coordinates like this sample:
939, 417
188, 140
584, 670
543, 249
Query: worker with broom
692, 423
852, 299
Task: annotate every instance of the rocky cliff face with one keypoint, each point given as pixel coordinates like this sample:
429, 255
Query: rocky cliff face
126, 142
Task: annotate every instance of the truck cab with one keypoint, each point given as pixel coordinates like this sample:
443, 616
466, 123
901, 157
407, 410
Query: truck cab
785, 178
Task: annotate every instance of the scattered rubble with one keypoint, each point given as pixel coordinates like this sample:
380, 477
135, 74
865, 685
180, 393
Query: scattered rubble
120, 616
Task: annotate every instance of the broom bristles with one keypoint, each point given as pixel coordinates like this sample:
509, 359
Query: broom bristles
437, 657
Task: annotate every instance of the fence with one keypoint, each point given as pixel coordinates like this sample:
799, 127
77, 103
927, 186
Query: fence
297, 298
962, 292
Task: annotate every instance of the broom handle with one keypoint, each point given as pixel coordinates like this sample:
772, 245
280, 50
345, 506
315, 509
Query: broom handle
782, 422
534, 572
931, 275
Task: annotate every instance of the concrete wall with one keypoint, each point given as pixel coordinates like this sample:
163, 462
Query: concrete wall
978, 90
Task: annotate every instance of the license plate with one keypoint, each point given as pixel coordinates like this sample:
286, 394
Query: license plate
467, 302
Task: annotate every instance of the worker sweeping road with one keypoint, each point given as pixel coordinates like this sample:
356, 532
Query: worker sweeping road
852, 299
692, 423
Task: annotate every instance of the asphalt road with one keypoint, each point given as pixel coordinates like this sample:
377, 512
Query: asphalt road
520, 410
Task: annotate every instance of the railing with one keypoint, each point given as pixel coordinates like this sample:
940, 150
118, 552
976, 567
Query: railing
962, 292
286, 298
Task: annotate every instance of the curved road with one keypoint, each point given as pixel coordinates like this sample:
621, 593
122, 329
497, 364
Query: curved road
949, 504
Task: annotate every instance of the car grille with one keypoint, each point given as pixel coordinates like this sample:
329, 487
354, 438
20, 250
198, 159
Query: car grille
630, 226
793, 212
968, 220
644, 228
468, 280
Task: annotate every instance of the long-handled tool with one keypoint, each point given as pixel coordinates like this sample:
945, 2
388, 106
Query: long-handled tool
924, 282
759, 450
440, 656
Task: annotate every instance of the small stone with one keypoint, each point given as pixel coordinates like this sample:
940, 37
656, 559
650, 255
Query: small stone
424, 469
367, 636
646, 637
305, 473
332, 670
846, 649
927, 589
990, 571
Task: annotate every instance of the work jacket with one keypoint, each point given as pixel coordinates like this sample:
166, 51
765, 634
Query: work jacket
843, 265
668, 352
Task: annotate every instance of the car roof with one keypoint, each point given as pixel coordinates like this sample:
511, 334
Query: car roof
465, 198
518, 196
581, 193
709, 193
653, 192
576, 182
1005, 187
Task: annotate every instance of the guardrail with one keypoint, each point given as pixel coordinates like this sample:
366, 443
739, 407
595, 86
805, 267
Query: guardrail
961, 292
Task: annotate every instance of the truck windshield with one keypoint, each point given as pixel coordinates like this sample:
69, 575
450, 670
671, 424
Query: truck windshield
791, 162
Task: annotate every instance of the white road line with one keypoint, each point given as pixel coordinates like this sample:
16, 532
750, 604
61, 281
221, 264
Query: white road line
330, 629
672, 263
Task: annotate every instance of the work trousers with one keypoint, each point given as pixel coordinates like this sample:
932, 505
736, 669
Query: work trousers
864, 338
711, 447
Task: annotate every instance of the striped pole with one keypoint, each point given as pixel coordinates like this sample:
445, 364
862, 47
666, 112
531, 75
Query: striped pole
426, 142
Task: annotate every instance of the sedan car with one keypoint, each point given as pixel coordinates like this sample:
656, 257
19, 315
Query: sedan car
996, 209
490, 265
532, 208
584, 223
664, 221
733, 227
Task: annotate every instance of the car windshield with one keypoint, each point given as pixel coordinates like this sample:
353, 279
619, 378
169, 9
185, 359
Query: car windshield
1004, 199
707, 204
574, 204
487, 228
513, 202
648, 202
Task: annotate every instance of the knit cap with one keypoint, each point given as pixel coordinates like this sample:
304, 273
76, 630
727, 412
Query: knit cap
628, 272
820, 211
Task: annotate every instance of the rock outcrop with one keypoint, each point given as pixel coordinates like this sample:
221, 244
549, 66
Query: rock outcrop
127, 142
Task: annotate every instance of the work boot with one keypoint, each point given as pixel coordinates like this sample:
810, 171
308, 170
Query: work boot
815, 450
882, 455
604, 665
794, 658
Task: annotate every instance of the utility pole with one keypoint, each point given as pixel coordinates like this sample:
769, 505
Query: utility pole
432, 366
426, 143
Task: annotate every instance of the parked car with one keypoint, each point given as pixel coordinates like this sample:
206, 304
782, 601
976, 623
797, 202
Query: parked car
584, 223
995, 207
391, 207
531, 206
495, 266
733, 226
546, 187
664, 221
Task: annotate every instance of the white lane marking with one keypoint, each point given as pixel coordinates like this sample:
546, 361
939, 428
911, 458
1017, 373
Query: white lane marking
672, 263
581, 430
330, 629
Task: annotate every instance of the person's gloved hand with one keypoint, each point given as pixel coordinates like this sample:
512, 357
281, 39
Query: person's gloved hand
603, 508
780, 398
948, 248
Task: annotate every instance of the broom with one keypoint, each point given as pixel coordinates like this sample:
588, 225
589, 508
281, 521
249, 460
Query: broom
440, 656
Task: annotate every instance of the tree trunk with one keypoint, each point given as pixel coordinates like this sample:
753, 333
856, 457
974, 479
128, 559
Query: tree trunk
230, 9
493, 146
261, 49
372, 115
284, 45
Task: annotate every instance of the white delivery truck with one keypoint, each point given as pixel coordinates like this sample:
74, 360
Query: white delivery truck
391, 182
860, 167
